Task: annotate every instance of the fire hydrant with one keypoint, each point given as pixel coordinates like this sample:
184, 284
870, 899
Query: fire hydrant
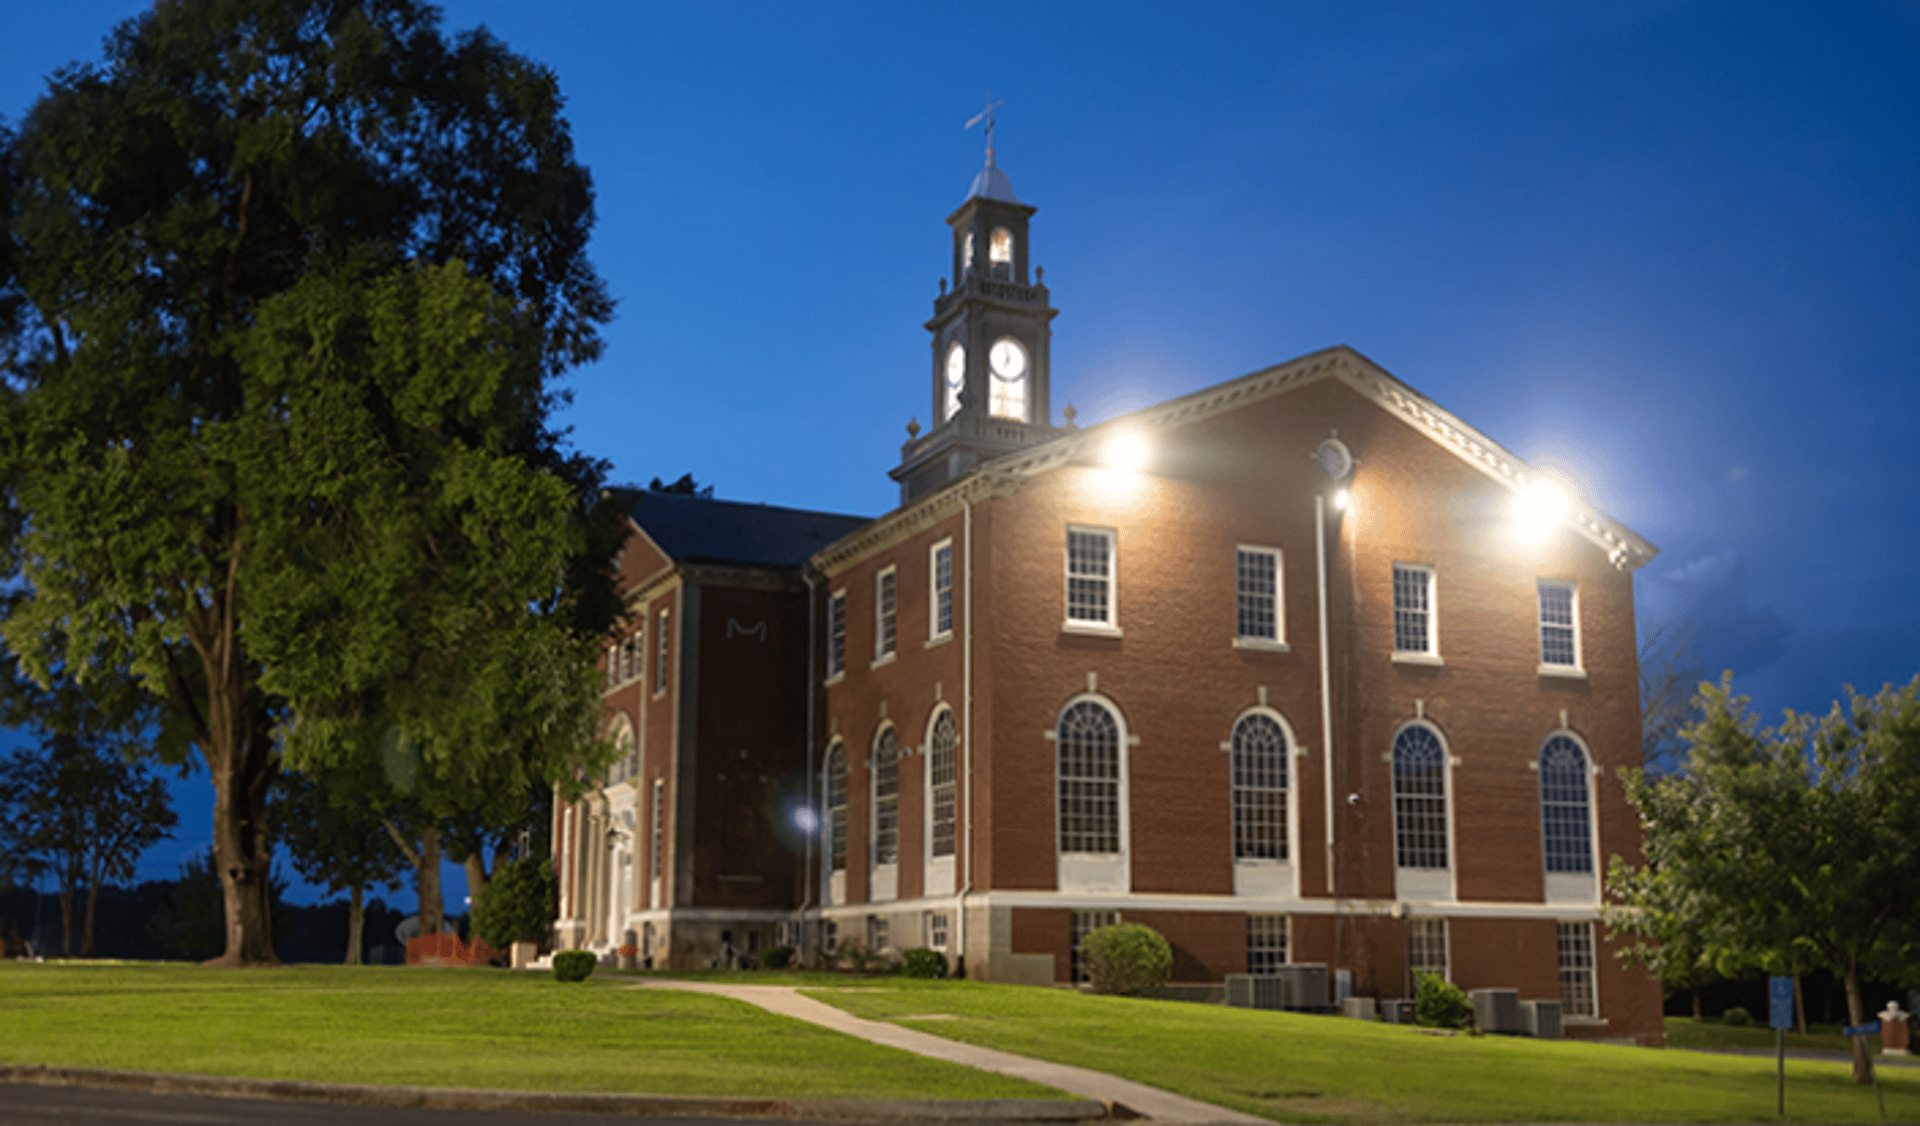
1893, 1030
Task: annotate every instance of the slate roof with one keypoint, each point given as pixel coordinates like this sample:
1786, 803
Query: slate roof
704, 530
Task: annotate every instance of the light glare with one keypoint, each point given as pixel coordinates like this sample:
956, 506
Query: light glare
1125, 450
1540, 508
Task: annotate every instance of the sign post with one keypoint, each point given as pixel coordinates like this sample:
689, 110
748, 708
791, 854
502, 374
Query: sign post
1780, 1016
1868, 1029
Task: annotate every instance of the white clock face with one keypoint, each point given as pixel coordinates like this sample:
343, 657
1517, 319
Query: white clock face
956, 378
1009, 360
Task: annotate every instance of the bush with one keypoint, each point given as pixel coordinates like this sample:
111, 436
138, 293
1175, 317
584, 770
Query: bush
922, 962
1438, 1003
574, 965
860, 960
776, 957
517, 905
1127, 958
1736, 1016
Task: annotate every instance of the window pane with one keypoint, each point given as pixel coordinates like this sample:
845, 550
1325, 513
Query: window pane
1419, 799
1083, 924
943, 590
1266, 943
1576, 969
1412, 605
837, 634
1088, 743
1427, 945
837, 805
883, 613
1556, 624
1257, 591
940, 770
1563, 806
1259, 789
886, 798
1089, 576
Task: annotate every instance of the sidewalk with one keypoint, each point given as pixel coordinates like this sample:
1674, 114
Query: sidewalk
1150, 1102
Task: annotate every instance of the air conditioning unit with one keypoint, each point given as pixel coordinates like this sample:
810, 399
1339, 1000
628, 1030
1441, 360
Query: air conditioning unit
1256, 991
1396, 1012
1307, 984
1496, 1010
1358, 1008
1541, 1018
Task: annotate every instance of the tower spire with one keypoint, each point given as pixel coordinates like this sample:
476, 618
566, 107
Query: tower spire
988, 115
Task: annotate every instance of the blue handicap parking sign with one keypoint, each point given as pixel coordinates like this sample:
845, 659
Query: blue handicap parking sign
1780, 1002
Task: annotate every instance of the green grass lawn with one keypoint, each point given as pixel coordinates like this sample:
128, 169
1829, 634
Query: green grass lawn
449, 1028
1685, 1032
1310, 1068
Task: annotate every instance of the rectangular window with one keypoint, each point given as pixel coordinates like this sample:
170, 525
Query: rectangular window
836, 634
878, 938
937, 930
830, 935
1559, 625
660, 654
613, 665
942, 608
1257, 594
1413, 610
1090, 576
1576, 970
1426, 946
1085, 923
1266, 943
883, 614
656, 841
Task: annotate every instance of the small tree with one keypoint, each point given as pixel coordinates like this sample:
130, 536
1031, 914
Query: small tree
1127, 958
1439, 1003
519, 903
339, 842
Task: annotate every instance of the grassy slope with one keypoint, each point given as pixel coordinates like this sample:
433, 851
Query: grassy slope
1309, 1068
449, 1028
1685, 1032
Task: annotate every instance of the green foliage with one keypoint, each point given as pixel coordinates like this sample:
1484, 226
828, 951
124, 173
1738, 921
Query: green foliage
518, 904
573, 965
1127, 958
855, 956
1439, 1003
923, 962
776, 957
1782, 849
283, 286
1737, 1017
192, 923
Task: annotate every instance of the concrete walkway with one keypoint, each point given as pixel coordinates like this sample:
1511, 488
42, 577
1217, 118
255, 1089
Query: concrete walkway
1150, 1102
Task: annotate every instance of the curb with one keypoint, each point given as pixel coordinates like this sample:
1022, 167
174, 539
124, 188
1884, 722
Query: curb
473, 1098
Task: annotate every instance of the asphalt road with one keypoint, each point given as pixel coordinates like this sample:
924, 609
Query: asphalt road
32, 1105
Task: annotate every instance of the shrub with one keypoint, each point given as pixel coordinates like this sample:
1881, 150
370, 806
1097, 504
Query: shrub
517, 905
923, 962
1736, 1016
1127, 958
1438, 1003
776, 957
860, 960
573, 965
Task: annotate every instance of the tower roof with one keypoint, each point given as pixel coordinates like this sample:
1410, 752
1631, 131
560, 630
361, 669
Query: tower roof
992, 183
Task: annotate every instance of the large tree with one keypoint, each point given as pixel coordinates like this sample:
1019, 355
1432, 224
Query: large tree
282, 286
1784, 849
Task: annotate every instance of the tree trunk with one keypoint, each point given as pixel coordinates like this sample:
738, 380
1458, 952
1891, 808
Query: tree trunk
1696, 1004
1857, 1014
66, 921
433, 910
1799, 1005
86, 929
356, 918
476, 865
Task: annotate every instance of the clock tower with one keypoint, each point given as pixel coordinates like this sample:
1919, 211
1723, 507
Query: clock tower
991, 334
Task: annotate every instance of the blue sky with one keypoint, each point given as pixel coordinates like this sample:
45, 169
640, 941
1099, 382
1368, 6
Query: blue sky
1671, 249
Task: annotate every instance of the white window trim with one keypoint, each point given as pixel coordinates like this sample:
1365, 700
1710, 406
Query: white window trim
1596, 870
827, 806
881, 872
1121, 862
1578, 669
1448, 762
1593, 973
662, 651
883, 651
1446, 943
935, 634
926, 801
1110, 627
836, 662
1294, 752
1431, 655
1278, 642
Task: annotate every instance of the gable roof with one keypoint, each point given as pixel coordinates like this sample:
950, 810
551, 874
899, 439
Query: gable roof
1625, 549
691, 529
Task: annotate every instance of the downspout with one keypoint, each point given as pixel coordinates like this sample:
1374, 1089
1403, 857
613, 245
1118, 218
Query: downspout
966, 731
811, 876
1326, 696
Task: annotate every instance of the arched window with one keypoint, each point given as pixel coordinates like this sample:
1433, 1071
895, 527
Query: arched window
1259, 788
1419, 798
1088, 745
1000, 254
941, 743
956, 380
626, 753
837, 805
886, 796
1563, 806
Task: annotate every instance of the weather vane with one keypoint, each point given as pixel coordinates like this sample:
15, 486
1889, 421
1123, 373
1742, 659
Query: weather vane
988, 115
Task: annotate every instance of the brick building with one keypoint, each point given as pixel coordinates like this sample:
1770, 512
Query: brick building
1299, 667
